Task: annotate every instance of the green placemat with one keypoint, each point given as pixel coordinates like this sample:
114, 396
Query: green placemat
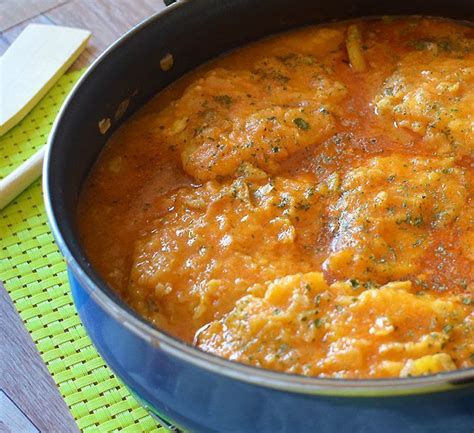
34, 274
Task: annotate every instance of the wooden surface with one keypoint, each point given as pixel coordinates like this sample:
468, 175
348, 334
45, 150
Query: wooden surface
106, 19
28, 394
29, 399
15, 12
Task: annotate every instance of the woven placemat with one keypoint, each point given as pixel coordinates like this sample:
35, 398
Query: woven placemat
34, 274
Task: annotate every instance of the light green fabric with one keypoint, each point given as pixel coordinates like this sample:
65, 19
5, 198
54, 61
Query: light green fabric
34, 274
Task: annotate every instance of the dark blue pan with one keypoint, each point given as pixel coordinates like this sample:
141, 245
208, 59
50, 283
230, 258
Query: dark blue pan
192, 390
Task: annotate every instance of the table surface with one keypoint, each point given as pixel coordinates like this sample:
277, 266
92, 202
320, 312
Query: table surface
29, 399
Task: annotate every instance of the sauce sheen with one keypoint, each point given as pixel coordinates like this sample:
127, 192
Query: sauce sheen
304, 203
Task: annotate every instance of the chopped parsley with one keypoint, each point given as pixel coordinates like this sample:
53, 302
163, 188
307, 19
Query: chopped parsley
354, 283
421, 44
301, 123
225, 100
417, 221
302, 206
284, 201
447, 328
317, 322
370, 285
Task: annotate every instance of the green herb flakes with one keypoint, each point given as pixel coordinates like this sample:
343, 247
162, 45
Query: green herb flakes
301, 123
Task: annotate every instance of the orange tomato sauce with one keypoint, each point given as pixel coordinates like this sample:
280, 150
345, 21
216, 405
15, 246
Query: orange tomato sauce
304, 203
